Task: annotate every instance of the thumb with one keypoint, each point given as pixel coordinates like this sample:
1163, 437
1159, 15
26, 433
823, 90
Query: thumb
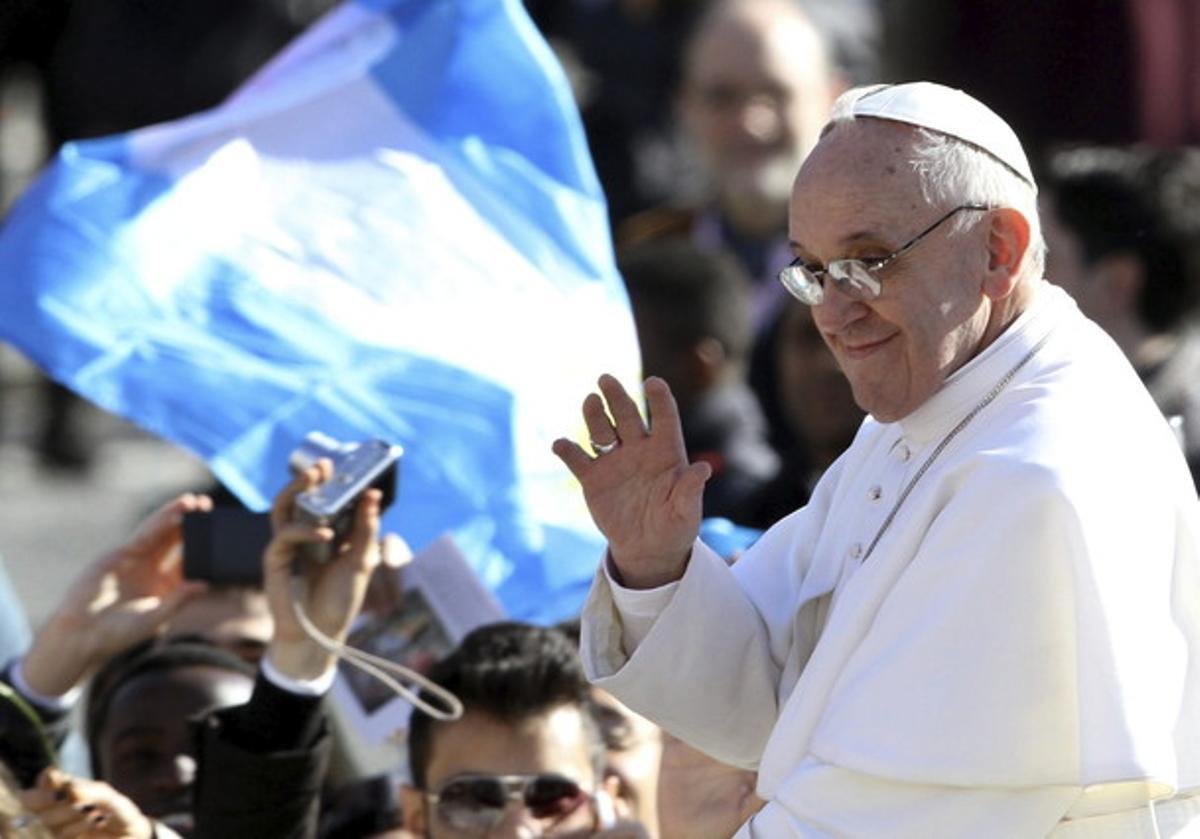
691, 482
51, 778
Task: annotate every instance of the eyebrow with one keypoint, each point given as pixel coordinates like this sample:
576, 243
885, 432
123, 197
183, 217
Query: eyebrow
855, 238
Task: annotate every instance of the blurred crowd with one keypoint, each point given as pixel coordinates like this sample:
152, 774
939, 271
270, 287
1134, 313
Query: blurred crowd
698, 115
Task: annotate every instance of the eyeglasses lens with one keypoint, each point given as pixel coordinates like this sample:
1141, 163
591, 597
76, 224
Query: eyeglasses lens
550, 797
854, 279
478, 803
472, 804
802, 285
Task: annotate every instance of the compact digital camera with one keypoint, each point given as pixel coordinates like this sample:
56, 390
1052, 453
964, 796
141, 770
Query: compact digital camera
357, 467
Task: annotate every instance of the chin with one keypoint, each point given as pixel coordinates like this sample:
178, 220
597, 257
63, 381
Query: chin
882, 409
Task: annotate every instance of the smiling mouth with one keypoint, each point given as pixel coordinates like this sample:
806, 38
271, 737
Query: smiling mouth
864, 350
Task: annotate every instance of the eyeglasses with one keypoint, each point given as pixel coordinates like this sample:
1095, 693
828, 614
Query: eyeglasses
475, 803
855, 278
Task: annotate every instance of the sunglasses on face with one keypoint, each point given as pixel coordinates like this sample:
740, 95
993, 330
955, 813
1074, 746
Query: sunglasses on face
477, 802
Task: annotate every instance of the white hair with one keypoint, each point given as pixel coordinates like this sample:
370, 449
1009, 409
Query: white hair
954, 172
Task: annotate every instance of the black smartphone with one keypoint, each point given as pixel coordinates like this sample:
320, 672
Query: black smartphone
225, 546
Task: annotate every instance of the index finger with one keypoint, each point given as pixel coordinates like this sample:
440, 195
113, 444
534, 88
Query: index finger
160, 531
572, 455
364, 537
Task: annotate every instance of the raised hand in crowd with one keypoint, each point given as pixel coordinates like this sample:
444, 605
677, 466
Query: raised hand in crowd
122, 598
330, 593
76, 808
640, 489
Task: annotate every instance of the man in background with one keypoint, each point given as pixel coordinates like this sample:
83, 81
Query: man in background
526, 758
1123, 230
693, 324
756, 86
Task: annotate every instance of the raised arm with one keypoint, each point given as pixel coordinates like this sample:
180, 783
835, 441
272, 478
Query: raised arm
120, 599
331, 593
642, 493
262, 764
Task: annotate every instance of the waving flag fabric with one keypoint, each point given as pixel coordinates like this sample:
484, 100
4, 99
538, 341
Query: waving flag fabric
394, 230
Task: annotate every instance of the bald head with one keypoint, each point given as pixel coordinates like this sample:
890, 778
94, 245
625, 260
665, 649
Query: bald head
959, 149
757, 88
759, 25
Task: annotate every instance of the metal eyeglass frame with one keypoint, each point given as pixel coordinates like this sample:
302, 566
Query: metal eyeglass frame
515, 789
855, 278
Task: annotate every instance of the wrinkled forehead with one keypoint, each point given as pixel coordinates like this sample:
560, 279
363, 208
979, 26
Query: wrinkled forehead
861, 170
868, 153
480, 743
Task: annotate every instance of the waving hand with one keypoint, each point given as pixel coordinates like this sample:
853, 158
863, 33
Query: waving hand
640, 489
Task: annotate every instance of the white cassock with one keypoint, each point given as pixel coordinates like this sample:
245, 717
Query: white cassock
1018, 655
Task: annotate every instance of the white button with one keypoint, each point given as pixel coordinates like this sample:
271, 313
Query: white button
904, 452
856, 551
875, 493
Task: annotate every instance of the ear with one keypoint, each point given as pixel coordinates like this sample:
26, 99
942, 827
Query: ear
1007, 243
412, 806
707, 358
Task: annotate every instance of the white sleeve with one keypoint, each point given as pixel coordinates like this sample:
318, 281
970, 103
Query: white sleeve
708, 657
690, 668
61, 704
637, 608
823, 800
318, 686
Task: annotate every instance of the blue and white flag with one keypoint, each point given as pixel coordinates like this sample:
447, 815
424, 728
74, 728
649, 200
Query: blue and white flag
394, 230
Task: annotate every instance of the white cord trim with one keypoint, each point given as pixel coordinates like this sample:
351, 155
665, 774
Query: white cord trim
380, 668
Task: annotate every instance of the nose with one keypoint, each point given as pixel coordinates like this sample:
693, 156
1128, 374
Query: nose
516, 824
836, 311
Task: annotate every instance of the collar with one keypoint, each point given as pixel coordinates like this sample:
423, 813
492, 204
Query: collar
967, 385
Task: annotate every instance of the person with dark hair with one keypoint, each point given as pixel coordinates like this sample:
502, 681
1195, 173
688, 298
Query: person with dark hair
138, 719
1123, 231
138, 722
142, 693
692, 310
810, 410
119, 600
756, 81
633, 749
255, 767
527, 755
